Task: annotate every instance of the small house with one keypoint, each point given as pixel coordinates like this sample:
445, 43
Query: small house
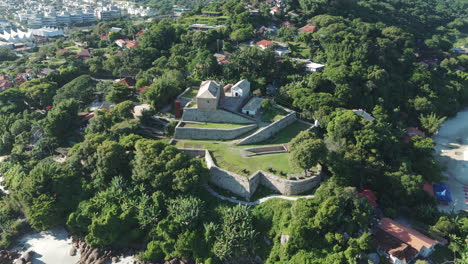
307, 29
411, 132
84, 54
115, 30
241, 89
252, 106
314, 67
208, 95
281, 51
363, 114
264, 44
400, 243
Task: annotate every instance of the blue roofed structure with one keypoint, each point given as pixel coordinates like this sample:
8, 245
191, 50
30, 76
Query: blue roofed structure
442, 193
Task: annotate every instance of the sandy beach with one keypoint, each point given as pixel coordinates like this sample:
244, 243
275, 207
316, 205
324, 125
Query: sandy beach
451, 151
51, 247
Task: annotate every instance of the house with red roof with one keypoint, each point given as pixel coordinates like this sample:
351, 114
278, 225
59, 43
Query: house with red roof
222, 58
307, 29
144, 88
5, 84
264, 44
21, 78
126, 43
427, 187
131, 44
120, 42
400, 243
369, 196
140, 33
411, 132
84, 54
128, 81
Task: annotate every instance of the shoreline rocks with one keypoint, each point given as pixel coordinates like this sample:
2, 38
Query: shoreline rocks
7, 256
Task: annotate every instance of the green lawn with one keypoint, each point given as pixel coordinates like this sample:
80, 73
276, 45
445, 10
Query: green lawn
273, 114
228, 156
214, 125
299, 49
192, 93
199, 19
74, 49
284, 136
55, 62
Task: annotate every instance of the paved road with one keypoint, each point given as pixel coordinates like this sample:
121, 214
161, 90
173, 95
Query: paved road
262, 200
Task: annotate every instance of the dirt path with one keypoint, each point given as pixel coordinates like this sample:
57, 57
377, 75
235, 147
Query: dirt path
257, 202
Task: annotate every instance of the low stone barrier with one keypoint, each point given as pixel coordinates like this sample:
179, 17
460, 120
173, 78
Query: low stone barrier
211, 133
268, 131
194, 153
246, 187
214, 116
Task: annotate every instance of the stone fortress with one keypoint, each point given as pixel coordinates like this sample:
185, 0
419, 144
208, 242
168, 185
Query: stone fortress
213, 105
233, 104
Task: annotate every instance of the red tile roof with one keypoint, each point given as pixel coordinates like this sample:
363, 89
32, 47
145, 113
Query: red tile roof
393, 246
62, 51
406, 234
412, 132
130, 44
369, 195
143, 88
140, 32
265, 43
5, 84
128, 81
308, 29
429, 189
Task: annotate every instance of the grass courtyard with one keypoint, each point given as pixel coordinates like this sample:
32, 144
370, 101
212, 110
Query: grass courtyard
284, 136
73, 49
229, 156
273, 114
214, 125
192, 93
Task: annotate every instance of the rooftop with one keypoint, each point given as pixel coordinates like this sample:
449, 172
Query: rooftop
253, 104
208, 89
265, 43
406, 234
308, 29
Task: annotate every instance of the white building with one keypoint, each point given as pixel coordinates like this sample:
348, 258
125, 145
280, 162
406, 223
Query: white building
47, 32
107, 13
241, 89
252, 106
17, 36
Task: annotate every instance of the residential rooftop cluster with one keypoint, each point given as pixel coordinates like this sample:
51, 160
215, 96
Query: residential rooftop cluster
40, 13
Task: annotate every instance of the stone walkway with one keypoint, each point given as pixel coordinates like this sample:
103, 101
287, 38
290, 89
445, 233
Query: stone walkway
257, 202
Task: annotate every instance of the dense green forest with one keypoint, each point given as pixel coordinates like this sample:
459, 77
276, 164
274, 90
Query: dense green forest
120, 189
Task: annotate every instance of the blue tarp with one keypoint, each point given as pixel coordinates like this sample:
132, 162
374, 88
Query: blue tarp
442, 193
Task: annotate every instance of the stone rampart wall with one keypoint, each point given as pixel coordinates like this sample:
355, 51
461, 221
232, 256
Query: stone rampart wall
211, 133
194, 153
214, 116
246, 187
268, 131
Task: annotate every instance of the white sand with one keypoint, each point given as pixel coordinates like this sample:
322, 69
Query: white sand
452, 152
51, 247
2, 187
